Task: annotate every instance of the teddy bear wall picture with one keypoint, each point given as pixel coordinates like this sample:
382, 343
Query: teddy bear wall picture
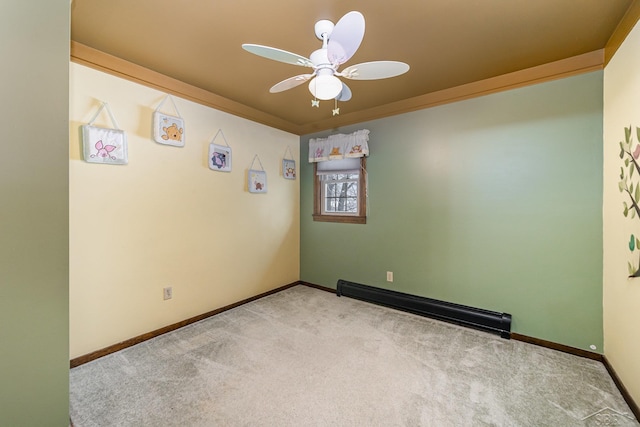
168, 129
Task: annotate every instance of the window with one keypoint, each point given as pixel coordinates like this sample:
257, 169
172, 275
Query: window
340, 191
340, 177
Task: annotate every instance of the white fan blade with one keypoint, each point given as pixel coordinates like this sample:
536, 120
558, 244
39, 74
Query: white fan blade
277, 54
290, 83
345, 95
374, 70
345, 38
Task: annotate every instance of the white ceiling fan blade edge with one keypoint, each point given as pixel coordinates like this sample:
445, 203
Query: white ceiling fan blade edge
345, 94
290, 83
277, 54
346, 37
375, 70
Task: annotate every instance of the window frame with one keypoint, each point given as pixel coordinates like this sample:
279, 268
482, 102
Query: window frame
359, 218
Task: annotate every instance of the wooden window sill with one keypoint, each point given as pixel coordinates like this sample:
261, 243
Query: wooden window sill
346, 219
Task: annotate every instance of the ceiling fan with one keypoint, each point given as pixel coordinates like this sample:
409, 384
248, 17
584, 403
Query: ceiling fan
339, 43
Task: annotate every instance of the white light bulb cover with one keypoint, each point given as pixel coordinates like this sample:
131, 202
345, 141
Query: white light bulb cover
325, 87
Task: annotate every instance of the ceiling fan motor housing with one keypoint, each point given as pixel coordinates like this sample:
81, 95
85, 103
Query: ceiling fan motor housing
324, 28
320, 60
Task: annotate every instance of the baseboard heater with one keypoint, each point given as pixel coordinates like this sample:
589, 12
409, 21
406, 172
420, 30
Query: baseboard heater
490, 321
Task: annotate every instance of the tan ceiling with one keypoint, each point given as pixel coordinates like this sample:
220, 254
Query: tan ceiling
447, 43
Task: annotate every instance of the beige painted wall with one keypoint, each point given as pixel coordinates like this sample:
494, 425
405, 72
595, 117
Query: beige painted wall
166, 219
621, 295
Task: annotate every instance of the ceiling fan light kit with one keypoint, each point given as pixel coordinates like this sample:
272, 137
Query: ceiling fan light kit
339, 44
325, 87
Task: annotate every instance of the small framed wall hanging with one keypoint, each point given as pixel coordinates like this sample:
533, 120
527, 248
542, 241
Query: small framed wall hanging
288, 165
168, 129
104, 145
257, 179
219, 155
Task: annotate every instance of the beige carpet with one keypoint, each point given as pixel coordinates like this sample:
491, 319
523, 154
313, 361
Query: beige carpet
304, 357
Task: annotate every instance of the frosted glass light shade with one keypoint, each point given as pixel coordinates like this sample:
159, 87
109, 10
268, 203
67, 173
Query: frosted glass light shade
325, 87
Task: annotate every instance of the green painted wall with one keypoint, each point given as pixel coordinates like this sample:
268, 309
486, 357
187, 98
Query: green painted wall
34, 213
493, 202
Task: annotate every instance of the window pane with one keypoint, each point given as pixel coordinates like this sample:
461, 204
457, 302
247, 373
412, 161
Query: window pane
327, 207
330, 190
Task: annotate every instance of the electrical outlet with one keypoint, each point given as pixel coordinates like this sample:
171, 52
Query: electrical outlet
389, 276
167, 292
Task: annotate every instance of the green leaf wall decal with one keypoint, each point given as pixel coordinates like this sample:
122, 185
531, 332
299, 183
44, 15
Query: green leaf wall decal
627, 134
629, 184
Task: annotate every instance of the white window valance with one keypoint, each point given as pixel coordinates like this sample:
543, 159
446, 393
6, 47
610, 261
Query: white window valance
340, 146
